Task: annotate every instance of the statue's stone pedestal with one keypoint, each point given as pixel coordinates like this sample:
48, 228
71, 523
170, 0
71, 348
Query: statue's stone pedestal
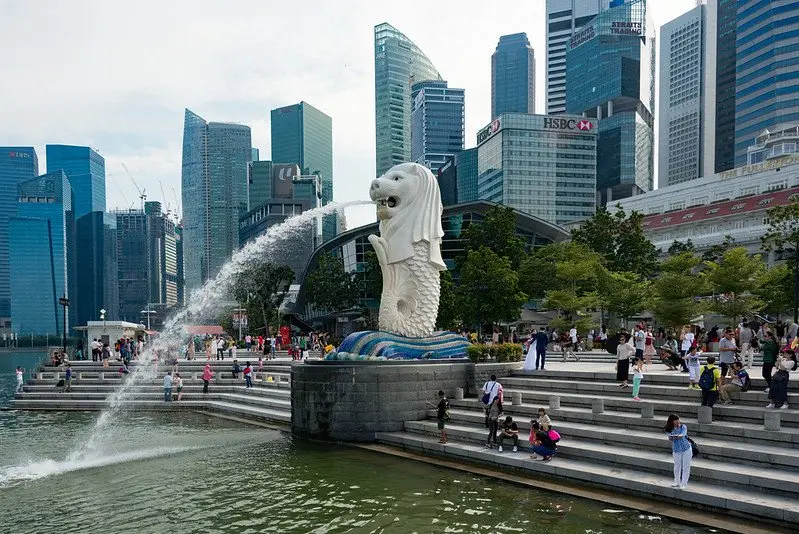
354, 400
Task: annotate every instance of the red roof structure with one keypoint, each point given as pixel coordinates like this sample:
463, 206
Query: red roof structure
203, 329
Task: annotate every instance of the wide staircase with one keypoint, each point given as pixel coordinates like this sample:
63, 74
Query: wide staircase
612, 442
268, 401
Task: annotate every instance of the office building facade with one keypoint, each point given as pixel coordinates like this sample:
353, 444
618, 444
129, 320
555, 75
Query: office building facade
767, 70
17, 164
610, 76
398, 64
41, 240
724, 14
214, 176
96, 276
513, 76
542, 165
466, 164
437, 123
303, 135
85, 169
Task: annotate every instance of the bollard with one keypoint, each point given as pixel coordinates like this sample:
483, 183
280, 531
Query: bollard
647, 410
705, 415
554, 402
771, 420
39, 376
195, 377
516, 398
597, 405
56, 376
80, 376
458, 393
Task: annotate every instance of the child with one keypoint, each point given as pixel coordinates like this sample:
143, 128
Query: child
260, 364
638, 375
442, 414
248, 375
20, 379
68, 379
692, 361
543, 420
236, 369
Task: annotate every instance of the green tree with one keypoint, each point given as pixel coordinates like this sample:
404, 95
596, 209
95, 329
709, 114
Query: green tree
537, 271
772, 290
489, 289
735, 280
716, 252
329, 286
675, 290
262, 287
619, 239
625, 294
497, 232
678, 246
574, 287
447, 305
372, 276
783, 237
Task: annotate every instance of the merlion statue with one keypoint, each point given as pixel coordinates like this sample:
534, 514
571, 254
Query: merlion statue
408, 249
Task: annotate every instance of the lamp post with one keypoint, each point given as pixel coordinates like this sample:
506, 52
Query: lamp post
148, 311
64, 301
240, 315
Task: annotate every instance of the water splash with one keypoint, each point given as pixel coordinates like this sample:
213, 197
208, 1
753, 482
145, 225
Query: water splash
201, 304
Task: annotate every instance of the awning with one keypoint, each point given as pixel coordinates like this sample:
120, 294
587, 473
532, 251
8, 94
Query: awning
203, 329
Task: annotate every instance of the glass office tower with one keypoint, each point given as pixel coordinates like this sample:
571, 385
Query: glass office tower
513, 76
17, 164
85, 169
466, 163
96, 275
610, 76
42, 236
398, 64
767, 70
437, 123
216, 156
726, 19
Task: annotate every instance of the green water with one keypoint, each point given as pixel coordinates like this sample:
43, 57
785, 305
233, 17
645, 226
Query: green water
187, 473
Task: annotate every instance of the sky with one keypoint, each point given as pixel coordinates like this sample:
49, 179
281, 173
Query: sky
117, 76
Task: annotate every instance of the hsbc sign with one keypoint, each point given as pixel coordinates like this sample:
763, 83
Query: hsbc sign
488, 131
583, 125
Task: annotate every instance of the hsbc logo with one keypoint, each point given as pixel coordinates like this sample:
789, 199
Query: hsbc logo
568, 124
488, 131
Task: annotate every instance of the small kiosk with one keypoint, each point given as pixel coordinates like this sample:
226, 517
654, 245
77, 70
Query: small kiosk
110, 331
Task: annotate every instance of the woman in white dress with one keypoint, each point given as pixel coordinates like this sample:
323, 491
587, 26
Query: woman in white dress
529, 361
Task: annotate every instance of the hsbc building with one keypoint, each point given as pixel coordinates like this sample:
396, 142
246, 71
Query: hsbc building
544, 165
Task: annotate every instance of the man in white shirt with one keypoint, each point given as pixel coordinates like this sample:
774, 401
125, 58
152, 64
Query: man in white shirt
639, 340
491, 388
727, 352
745, 335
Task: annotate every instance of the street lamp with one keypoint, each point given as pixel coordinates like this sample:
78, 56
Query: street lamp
148, 311
64, 301
240, 314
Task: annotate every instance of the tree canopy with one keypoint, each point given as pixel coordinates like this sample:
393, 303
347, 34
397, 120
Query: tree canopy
260, 288
330, 287
497, 232
675, 291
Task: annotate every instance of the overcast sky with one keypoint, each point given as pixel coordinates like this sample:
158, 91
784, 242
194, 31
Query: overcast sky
117, 75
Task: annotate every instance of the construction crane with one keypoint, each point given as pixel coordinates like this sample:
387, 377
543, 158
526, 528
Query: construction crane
121, 192
163, 195
178, 212
142, 194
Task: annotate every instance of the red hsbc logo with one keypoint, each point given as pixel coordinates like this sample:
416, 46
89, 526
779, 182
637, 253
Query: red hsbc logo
557, 123
495, 126
584, 125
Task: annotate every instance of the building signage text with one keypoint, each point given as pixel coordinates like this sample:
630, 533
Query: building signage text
488, 131
18, 155
568, 124
582, 36
626, 28
759, 167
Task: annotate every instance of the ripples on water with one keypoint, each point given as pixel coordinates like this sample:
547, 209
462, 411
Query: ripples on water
202, 475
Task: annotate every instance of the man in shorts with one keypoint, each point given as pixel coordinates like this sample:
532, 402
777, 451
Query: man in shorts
442, 414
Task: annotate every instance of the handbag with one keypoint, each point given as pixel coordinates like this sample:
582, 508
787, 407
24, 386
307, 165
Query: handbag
694, 447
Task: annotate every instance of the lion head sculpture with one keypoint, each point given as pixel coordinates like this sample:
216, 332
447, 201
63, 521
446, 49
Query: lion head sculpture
409, 210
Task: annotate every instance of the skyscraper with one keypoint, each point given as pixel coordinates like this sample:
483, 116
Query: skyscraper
85, 169
725, 14
513, 76
398, 64
17, 164
214, 178
41, 236
687, 106
303, 135
260, 183
437, 123
610, 75
564, 19
767, 70
97, 279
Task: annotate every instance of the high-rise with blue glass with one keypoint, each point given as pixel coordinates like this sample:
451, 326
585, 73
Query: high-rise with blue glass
96, 276
513, 76
85, 169
610, 76
41, 238
767, 70
17, 164
437, 123
398, 64
303, 135
216, 156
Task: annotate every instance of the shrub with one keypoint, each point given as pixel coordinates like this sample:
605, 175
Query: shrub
500, 353
477, 353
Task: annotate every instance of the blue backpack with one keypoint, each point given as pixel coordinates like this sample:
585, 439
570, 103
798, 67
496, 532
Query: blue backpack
707, 380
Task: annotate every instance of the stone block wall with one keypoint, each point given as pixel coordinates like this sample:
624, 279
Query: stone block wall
483, 371
352, 401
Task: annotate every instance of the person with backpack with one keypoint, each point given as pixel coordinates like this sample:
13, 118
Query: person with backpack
490, 391
493, 413
709, 381
681, 450
770, 350
778, 393
740, 382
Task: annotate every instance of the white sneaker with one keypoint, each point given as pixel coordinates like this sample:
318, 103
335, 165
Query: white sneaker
500, 448
515, 449
675, 485
784, 406
682, 486
770, 405
765, 390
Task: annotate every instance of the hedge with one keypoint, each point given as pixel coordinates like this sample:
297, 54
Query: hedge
499, 353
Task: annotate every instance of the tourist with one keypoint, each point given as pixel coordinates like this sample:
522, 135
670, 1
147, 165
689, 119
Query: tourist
543, 420
686, 342
236, 369
95, 348
778, 392
639, 341
220, 348
541, 341
68, 379
770, 350
247, 375
638, 375
207, 375
603, 337
493, 413
745, 338
727, 352
168, 387
248, 342
20, 379
490, 390
542, 443
208, 349
123, 369
779, 331
709, 381
649, 345
681, 451
589, 340
442, 414
106, 354
232, 348
190, 349
670, 354
260, 364
791, 332
509, 431
179, 385
692, 361
739, 382
624, 351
